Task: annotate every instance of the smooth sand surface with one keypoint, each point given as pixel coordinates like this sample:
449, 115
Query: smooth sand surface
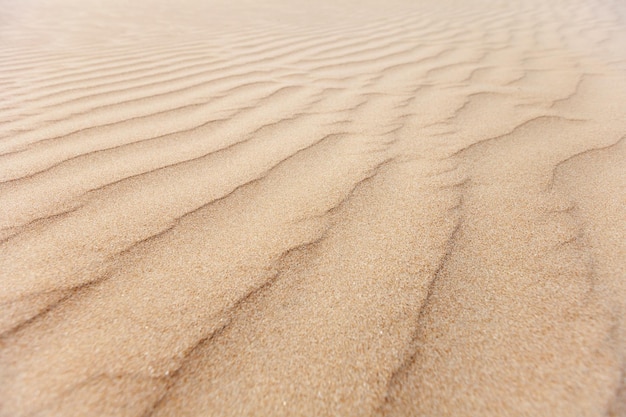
319, 208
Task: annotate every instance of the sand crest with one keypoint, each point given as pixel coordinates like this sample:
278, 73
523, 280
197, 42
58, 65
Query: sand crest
373, 208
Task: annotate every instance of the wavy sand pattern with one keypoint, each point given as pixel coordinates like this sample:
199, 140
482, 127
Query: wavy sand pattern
313, 208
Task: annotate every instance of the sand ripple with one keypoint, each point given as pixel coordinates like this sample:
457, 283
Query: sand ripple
313, 208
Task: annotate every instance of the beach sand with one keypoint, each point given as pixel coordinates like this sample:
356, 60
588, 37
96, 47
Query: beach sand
330, 208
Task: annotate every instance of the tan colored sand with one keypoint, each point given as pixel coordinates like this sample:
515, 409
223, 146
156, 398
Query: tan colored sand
372, 208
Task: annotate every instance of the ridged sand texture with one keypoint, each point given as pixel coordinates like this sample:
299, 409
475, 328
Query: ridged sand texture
317, 208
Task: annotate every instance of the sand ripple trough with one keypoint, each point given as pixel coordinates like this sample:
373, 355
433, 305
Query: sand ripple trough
312, 208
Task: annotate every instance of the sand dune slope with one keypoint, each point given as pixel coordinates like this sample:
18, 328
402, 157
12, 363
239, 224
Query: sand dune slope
313, 208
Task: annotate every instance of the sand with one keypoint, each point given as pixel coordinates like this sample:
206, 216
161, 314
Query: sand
330, 208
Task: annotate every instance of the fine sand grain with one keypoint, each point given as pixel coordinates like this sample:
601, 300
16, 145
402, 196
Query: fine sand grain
318, 208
